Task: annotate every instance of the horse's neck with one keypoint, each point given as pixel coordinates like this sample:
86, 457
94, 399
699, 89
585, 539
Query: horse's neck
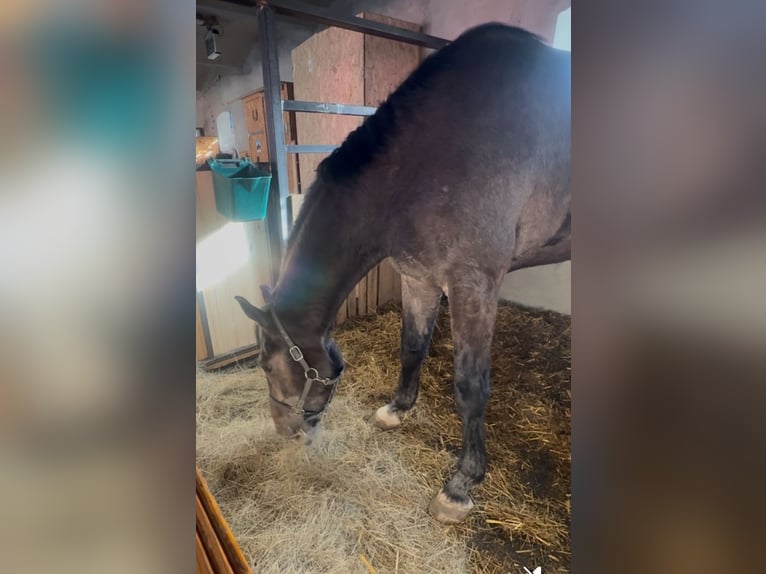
328, 256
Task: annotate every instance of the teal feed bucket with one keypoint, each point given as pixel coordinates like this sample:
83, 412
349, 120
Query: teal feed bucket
241, 189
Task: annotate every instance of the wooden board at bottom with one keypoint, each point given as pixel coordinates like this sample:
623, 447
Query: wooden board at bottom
215, 541
241, 354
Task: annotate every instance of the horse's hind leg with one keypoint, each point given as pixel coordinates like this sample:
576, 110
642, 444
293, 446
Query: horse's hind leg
420, 306
473, 308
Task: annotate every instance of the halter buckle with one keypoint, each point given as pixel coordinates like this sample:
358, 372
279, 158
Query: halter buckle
295, 353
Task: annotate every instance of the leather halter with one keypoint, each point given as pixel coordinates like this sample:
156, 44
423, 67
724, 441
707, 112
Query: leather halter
311, 374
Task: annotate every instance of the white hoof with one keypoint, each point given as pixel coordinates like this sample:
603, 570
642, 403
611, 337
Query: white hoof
448, 511
385, 418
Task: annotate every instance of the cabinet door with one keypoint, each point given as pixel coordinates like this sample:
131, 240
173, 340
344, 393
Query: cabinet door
259, 147
255, 121
254, 113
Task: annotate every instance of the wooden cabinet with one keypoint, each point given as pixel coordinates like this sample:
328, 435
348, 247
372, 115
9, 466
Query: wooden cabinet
255, 122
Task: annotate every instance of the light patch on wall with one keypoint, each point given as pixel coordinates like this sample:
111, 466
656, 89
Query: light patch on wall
221, 254
562, 39
225, 130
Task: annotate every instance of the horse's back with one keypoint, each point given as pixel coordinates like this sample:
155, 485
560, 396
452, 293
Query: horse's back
486, 147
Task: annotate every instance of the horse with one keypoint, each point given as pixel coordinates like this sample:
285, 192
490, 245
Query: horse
460, 177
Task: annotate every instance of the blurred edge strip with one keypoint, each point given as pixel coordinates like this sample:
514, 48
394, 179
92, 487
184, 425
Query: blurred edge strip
217, 552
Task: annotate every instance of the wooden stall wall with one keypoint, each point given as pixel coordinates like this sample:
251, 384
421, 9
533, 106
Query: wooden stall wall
347, 67
223, 330
224, 333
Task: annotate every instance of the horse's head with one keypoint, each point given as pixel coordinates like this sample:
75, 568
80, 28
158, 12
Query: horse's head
302, 369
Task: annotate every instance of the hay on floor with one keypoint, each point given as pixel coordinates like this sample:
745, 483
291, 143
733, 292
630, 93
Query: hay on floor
357, 498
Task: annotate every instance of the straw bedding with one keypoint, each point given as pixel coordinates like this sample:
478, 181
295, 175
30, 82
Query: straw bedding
355, 500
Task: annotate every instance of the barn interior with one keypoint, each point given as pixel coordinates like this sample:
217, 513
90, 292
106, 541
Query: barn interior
356, 499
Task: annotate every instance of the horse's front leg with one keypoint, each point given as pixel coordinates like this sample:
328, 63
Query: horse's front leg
473, 308
420, 306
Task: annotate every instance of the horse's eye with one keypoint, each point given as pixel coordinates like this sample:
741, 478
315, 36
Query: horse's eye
265, 368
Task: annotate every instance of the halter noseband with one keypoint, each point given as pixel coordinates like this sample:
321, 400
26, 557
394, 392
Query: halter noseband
311, 374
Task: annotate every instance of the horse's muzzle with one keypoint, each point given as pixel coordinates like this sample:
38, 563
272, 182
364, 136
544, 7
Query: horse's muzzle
292, 425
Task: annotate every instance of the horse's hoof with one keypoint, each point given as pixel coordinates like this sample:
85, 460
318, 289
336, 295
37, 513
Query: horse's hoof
448, 511
385, 418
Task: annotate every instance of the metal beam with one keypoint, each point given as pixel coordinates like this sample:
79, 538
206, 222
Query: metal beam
323, 108
306, 148
311, 13
276, 210
324, 16
224, 9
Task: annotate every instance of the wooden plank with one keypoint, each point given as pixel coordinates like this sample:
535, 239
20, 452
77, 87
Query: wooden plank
226, 359
328, 67
351, 303
202, 562
203, 349
233, 552
293, 175
361, 296
294, 205
372, 290
342, 313
210, 542
387, 63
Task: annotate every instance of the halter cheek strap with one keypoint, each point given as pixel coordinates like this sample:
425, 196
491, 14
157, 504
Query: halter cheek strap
311, 374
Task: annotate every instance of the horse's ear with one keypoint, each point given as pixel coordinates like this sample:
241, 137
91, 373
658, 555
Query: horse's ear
267, 294
257, 315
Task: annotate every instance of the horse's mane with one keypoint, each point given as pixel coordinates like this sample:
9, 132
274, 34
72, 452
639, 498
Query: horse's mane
361, 145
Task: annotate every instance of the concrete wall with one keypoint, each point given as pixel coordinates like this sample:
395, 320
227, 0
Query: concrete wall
547, 287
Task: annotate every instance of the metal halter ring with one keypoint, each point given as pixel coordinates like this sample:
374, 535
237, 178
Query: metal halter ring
312, 374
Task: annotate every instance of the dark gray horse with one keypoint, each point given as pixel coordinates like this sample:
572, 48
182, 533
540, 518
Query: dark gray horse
461, 176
